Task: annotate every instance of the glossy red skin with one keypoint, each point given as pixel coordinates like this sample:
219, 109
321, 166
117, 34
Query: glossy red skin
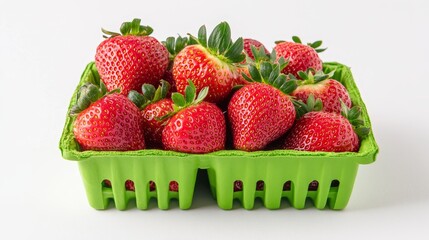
152, 127
196, 129
248, 43
259, 114
322, 131
112, 123
127, 62
301, 57
329, 91
205, 70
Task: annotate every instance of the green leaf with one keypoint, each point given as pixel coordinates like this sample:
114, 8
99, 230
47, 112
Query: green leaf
190, 92
280, 80
282, 62
266, 68
274, 74
316, 44
296, 39
220, 38
362, 131
192, 40
117, 90
125, 28
302, 75
169, 44
103, 88
273, 56
235, 50
289, 86
157, 96
279, 41
202, 94
311, 102
180, 44
202, 36
254, 73
148, 91
136, 98
246, 77
178, 99
354, 113
319, 50
165, 87
318, 106
135, 26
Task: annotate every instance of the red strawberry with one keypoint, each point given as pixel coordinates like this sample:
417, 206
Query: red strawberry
174, 46
321, 86
209, 63
248, 43
326, 131
127, 61
154, 105
301, 57
106, 123
262, 111
195, 126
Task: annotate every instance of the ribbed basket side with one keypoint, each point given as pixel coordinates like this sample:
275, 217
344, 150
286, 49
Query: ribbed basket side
141, 170
283, 178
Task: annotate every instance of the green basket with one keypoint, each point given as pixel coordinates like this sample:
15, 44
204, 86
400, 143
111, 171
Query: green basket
285, 173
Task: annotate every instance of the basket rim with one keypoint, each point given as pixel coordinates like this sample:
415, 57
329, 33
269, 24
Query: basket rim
366, 154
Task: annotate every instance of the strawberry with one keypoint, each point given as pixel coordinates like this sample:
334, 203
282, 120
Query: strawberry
106, 122
154, 105
127, 61
209, 63
322, 86
174, 46
248, 43
262, 111
301, 57
327, 131
194, 126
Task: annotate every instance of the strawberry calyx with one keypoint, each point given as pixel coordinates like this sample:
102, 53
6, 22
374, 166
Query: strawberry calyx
314, 45
132, 28
312, 77
269, 72
92, 90
354, 116
259, 55
190, 98
312, 105
150, 94
220, 43
175, 45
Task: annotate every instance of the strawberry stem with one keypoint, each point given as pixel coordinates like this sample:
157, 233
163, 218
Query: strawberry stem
132, 28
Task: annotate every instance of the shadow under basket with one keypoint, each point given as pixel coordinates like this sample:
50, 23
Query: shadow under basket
324, 177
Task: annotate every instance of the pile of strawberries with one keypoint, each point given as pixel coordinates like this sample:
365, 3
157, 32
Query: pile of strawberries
200, 94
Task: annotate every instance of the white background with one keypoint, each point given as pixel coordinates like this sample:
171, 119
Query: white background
45, 45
